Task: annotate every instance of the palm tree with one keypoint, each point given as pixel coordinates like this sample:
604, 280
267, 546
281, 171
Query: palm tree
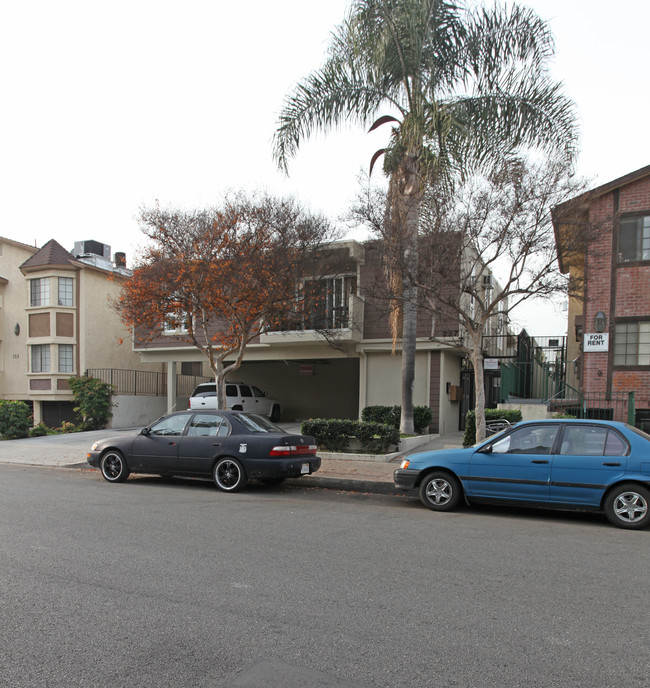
464, 88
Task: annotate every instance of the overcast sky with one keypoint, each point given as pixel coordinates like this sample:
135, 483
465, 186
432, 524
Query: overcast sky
107, 106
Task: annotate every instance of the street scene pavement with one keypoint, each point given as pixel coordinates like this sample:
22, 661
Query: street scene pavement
348, 473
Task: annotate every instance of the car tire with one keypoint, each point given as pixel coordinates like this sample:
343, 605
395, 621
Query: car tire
440, 491
113, 467
628, 506
229, 475
275, 413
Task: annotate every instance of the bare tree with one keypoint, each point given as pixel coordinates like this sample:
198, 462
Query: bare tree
491, 225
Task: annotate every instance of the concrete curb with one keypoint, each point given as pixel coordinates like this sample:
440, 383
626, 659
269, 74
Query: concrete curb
345, 484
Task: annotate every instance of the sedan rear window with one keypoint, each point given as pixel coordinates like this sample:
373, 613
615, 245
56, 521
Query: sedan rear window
256, 423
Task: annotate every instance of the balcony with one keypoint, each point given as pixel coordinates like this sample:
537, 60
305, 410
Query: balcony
339, 323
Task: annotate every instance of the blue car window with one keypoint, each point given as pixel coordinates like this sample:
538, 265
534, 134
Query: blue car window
583, 440
616, 445
535, 439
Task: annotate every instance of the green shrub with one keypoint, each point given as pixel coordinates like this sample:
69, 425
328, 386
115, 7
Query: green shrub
391, 415
93, 399
15, 419
39, 430
334, 435
469, 438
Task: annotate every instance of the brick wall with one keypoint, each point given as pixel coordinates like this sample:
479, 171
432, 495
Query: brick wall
620, 290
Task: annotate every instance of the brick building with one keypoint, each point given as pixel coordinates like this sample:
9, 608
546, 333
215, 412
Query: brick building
611, 317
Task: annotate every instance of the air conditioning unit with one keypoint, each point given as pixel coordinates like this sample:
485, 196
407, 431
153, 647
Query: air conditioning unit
91, 247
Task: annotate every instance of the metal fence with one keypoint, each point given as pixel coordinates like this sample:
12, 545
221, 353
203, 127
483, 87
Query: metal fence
144, 382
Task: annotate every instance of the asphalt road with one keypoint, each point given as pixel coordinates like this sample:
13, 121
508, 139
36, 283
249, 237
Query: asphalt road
164, 582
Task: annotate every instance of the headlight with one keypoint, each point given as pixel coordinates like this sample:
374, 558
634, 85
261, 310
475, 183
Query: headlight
94, 447
405, 463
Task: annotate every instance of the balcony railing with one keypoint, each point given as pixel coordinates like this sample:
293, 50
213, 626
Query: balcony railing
344, 322
144, 382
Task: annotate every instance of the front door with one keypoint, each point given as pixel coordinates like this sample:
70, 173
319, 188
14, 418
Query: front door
157, 451
517, 466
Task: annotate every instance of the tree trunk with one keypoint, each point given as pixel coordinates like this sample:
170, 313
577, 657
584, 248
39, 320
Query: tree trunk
479, 389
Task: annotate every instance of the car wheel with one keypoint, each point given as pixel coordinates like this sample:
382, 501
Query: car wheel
113, 467
275, 413
440, 491
229, 475
628, 506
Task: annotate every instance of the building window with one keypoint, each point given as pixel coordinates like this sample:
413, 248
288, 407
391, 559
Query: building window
41, 358
66, 364
65, 291
632, 344
39, 292
176, 323
634, 239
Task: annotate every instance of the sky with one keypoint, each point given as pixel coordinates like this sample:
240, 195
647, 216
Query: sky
111, 106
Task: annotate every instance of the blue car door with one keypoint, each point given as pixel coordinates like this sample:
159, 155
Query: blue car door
590, 458
517, 466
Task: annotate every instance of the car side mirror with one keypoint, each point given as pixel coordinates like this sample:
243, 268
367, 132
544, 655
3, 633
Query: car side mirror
486, 450
145, 431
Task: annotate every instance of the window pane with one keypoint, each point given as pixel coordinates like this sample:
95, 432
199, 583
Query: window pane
231, 390
537, 439
66, 364
65, 291
615, 445
41, 358
39, 292
583, 441
245, 391
206, 425
173, 425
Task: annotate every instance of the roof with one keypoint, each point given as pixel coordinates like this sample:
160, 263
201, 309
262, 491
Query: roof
51, 253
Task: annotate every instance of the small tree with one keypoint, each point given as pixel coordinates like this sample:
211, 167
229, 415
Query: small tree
15, 419
93, 401
220, 276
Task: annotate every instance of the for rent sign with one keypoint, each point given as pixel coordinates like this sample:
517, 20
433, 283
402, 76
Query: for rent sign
596, 342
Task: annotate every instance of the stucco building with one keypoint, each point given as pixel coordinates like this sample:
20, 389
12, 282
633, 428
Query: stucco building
56, 321
353, 366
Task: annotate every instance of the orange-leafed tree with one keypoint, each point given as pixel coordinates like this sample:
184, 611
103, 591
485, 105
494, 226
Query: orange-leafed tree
218, 276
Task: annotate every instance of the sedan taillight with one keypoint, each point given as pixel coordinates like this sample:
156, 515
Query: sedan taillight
293, 450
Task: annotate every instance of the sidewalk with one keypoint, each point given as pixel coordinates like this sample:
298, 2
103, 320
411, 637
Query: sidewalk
69, 451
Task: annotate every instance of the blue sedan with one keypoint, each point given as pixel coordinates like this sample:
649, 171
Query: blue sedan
565, 464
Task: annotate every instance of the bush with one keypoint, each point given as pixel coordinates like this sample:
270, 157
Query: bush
469, 438
39, 430
334, 435
390, 415
93, 398
15, 419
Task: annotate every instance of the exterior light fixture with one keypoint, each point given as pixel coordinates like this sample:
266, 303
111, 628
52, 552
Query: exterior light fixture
17, 329
600, 321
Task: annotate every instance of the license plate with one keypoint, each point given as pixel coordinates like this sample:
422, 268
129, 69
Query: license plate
304, 468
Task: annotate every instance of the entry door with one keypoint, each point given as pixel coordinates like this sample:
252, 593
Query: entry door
517, 466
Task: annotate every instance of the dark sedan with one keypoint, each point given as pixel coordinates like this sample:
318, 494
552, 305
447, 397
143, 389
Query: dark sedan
229, 446
566, 464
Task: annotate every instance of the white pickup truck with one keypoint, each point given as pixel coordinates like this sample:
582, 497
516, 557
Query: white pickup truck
239, 397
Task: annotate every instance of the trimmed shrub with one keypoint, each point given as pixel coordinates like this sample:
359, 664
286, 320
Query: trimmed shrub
39, 430
335, 435
469, 438
390, 415
15, 419
93, 399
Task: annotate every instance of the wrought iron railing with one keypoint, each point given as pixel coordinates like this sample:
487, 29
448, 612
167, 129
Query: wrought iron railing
145, 382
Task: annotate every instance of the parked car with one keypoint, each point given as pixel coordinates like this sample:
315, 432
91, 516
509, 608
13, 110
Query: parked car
230, 446
566, 464
239, 397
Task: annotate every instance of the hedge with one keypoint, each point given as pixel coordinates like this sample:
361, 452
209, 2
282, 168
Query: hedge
15, 419
391, 415
512, 416
335, 435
